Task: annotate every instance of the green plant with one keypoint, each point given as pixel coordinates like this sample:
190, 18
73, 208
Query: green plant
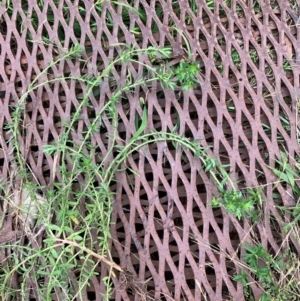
235, 58
269, 272
239, 204
277, 275
256, 6
287, 66
187, 74
69, 236
286, 173
253, 55
211, 6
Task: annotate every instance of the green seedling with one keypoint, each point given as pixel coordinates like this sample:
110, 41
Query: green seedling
239, 205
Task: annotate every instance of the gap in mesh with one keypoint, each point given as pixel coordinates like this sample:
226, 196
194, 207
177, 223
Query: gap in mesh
93, 25
155, 26
275, 226
266, 125
246, 125
160, 233
210, 272
208, 133
256, 7
271, 51
139, 227
289, 20
24, 67
162, 298
212, 111
91, 295
161, 98
223, 155
45, 35
19, 23
235, 57
293, 248
219, 63
156, 120
269, 73
187, 134
287, 99
275, 5
197, 214
136, 29
189, 276
40, 63
214, 242
180, 101
221, 40
225, 292
119, 223
231, 107
162, 193
149, 176
154, 255
259, 172
203, 42
281, 141
231, 267
175, 118
34, 148
225, 20
8, 68
206, 19
239, 11
234, 239
177, 219
19, 84
284, 95
125, 16
228, 133
183, 296
267, 98
218, 214
193, 112
277, 198
189, 20
61, 34
167, 174
130, 177
254, 55
239, 175
264, 152
88, 53
169, 278
173, 250
3, 30
201, 187
134, 252
273, 29
285, 123
270, 250
252, 80
176, 8
153, 152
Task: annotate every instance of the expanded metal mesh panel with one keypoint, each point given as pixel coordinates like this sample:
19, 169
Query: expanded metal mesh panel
166, 237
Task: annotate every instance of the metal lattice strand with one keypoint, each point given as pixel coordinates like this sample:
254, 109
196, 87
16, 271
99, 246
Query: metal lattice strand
171, 244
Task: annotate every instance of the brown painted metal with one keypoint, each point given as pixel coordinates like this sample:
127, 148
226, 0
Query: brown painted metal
171, 244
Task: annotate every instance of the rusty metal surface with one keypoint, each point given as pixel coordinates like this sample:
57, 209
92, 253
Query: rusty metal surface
171, 244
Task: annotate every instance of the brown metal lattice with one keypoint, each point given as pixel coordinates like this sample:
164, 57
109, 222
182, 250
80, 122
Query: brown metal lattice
171, 244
